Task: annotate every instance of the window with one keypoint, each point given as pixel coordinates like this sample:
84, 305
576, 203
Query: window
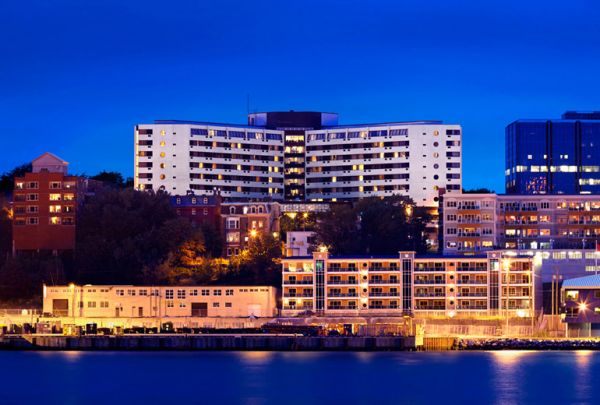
54, 220
215, 305
32, 221
182, 305
91, 304
32, 185
143, 292
232, 210
169, 294
103, 304
55, 185
205, 292
193, 293
32, 197
228, 305
228, 292
170, 304
55, 209
217, 292
131, 293
120, 292
54, 197
181, 294
69, 197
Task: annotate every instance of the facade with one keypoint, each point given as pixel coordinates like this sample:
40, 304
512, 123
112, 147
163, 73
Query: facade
299, 243
495, 285
45, 207
478, 222
581, 305
300, 156
556, 156
243, 221
126, 301
200, 210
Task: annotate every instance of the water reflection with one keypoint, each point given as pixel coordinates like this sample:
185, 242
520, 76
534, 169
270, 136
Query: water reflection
508, 375
582, 374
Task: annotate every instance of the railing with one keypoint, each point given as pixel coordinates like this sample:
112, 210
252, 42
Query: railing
426, 295
340, 295
338, 282
430, 282
430, 269
472, 282
286, 270
469, 234
471, 269
336, 307
430, 307
294, 308
384, 294
471, 295
298, 295
20, 311
384, 281
298, 282
383, 307
384, 269
338, 270
474, 307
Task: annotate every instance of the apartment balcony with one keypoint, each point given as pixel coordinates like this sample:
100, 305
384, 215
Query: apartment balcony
384, 294
429, 269
471, 307
469, 221
469, 234
481, 282
429, 295
298, 282
430, 307
342, 282
384, 281
287, 270
471, 269
297, 308
288, 295
384, 307
342, 270
342, 307
468, 207
383, 269
430, 282
342, 295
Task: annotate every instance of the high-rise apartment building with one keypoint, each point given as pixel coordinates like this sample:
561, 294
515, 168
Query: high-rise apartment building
556, 156
300, 156
44, 206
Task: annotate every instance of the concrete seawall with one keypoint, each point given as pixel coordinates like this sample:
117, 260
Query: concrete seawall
207, 342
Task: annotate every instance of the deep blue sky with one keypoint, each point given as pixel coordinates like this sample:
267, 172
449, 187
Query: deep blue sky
76, 76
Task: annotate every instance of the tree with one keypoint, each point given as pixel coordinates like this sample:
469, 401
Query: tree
259, 264
114, 179
22, 277
5, 234
124, 235
477, 191
293, 221
7, 180
373, 226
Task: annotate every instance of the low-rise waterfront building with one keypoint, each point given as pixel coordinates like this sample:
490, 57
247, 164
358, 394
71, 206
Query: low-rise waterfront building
128, 301
581, 305
497, 285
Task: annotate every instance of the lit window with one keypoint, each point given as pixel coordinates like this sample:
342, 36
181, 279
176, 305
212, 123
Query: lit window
162, 154
54, 197
162, 143
162, 176
162, 132
54, 220
54, 209
68, 197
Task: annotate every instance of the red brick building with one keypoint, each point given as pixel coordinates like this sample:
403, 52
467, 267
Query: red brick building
45, 207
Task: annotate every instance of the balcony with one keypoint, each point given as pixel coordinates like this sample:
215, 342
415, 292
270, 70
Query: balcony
376, 269
467, 295
430, 307
483, 282
383, 307
429, 282
472, 307
298, 295
429, 295
342, 295
297, 282
297, 271
342, 282
384, 294
342, 270
430, 269
378, 281
341, 307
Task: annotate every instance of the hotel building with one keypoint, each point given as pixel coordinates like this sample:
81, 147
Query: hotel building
494, 285
127, 301
300, 156
44, 207
555, 156
479, 222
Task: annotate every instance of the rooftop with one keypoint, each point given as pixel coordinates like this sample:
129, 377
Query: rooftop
583, 282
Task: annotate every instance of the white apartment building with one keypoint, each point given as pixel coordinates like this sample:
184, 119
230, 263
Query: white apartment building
495, 285
128, 301
179, 156
415, 159
300, 156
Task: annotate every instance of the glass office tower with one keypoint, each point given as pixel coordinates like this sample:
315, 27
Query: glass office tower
560, 156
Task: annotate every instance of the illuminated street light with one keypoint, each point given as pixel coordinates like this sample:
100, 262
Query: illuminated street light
253, 233
323, 249
582, 306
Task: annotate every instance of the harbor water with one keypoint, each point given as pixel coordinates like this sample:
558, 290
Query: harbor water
498, 377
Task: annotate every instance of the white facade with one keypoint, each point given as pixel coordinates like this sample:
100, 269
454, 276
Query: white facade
127, 301
298, 243
236, 160
412, 159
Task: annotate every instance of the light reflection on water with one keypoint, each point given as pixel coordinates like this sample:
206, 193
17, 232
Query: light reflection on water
502, 377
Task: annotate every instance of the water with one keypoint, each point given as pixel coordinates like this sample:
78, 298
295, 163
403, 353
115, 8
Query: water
505, 377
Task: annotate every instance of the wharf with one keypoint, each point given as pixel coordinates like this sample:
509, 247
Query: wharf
182, 342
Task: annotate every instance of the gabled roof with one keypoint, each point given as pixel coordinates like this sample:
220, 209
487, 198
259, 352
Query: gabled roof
50, 156
583, 282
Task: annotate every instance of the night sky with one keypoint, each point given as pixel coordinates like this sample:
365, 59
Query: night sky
76, 76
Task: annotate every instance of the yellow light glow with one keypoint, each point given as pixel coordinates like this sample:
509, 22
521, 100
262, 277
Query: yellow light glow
322, 248
582, 306
253, 233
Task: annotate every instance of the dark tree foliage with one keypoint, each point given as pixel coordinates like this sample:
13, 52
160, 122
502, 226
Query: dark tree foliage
5, 234
373, 226
477, 191
123, 235
260, 264
7, 180
296, 222
22, 277
113, 179
213, 239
